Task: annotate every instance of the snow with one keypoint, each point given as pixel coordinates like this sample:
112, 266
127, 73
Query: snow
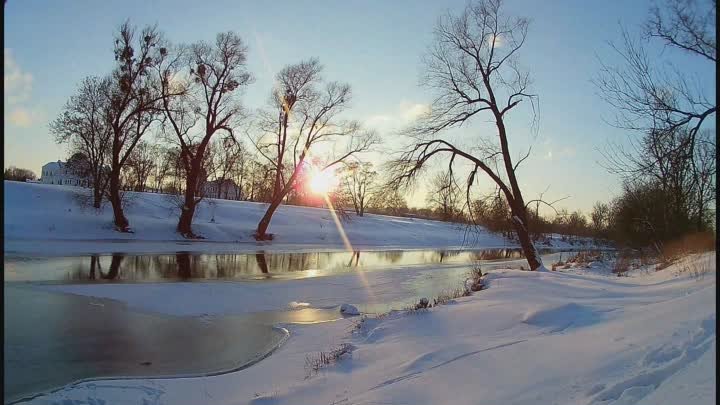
370, 289
46, 219
582, 336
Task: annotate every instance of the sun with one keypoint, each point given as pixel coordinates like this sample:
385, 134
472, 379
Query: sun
323, 181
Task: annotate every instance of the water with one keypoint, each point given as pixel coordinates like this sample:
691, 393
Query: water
52, 339
185, 266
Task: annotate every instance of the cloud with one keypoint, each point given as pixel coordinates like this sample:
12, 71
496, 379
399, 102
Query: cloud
413, 111
564, 152
18, 84
404, 114
20, 117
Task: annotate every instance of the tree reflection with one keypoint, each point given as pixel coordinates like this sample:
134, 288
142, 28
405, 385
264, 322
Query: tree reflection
183, 265
393, 256
95, 263
114, 267
355, 256
261, 262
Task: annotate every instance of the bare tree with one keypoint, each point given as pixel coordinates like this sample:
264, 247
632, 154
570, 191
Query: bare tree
229, 156
472, 68
140, 164
163, 167
132, 104
668, 106
261, 181
210, 99
84, 126
388, 200
444, 195
302, 116
649, 98
600, 217
358, 181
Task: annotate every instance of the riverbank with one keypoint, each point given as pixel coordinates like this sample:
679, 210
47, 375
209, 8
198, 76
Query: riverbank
581, 336
47, 220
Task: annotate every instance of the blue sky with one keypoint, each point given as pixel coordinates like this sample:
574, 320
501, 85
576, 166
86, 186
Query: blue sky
374, 45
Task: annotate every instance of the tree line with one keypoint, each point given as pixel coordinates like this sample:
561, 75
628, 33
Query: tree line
170, 117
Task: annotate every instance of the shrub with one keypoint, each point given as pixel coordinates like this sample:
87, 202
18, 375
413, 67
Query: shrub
622, 262
474, 281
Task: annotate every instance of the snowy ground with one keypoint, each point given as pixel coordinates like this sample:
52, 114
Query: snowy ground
46, 219
577, 336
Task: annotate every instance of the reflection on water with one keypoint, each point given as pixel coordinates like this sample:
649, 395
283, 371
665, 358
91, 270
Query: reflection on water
261, 265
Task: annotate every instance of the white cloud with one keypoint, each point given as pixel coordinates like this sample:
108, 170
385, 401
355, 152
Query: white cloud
20, 117
18, 84
404, 114
413, 111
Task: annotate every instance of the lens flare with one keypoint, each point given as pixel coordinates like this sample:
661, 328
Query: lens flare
323, 181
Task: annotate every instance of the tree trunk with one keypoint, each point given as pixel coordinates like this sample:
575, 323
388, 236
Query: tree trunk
121, 223
260, 233
97, 197
188, 209
519, 221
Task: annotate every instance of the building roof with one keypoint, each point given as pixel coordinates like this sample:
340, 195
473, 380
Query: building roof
53, 165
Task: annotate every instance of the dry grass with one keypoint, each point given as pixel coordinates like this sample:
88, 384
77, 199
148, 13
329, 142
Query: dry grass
672, 252
622, 262
317, 361
580, 259
697, 267
688, 244
585, 257
449, 295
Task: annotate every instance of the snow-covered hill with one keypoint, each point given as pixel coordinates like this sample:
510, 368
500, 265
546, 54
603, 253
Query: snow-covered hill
51, 214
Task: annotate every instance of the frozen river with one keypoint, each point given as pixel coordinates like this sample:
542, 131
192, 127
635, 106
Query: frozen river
54, 338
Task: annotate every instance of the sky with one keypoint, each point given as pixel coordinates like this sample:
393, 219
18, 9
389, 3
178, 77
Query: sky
375, 46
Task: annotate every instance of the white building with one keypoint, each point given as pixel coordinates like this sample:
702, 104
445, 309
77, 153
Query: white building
58, 173
228, 189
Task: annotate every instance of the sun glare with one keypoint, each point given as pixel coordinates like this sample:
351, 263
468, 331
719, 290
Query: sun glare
323, 181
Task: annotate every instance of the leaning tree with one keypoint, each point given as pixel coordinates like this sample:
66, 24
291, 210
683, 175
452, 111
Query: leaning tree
303, 114
472, 69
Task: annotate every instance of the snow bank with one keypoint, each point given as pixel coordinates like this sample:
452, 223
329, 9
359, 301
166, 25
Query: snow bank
50, 215
548, 337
